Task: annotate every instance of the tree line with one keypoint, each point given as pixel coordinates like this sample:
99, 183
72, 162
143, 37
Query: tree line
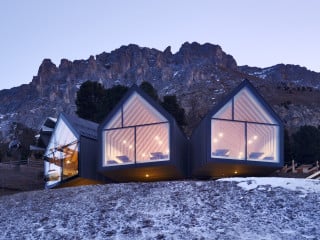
303, 146
94, 102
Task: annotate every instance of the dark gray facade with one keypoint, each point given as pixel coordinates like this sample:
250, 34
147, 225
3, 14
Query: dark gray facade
242, 136
140, 141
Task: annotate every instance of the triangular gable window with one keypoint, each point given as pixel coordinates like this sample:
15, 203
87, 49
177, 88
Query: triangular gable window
137, 111
248, 108
245, 107
225, 112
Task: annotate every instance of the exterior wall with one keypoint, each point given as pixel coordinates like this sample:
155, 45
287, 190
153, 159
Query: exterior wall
88, 159
180, 151
199, 147
163, 163
176, 165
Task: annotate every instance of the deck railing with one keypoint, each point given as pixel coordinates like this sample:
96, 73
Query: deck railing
27, 163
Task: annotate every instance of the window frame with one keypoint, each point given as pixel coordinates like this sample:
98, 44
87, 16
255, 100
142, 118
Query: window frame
135, 162
277, 140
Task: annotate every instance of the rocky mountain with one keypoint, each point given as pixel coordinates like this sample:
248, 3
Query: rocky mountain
200, 75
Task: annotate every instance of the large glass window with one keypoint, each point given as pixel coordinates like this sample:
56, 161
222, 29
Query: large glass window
251, 134
141, 134
262, 142
119, 146
61, 156
227, 139
153, 143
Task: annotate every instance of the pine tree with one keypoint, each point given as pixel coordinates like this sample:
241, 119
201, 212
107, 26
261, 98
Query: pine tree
94, 102
307, 144
170, 103
150, 90
90, 100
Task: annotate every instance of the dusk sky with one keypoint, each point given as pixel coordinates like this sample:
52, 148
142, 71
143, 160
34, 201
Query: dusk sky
256, 33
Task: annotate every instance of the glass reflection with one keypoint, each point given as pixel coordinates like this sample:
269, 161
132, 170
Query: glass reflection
61, 156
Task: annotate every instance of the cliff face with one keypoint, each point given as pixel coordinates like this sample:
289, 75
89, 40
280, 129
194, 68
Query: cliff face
200, 75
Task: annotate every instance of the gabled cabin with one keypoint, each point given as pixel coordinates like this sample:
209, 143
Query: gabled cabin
44, 135
71, 155
140, 141
242, 136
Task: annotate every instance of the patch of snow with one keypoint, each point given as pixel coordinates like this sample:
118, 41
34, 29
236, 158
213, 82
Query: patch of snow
293, 184
263, 73
175, 73
219, 91
166, 210
298, 82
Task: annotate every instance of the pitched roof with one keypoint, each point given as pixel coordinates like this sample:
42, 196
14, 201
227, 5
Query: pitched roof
83, 127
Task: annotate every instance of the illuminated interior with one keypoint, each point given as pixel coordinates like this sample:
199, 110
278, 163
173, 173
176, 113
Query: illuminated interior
61, 156
244, 130
137, 133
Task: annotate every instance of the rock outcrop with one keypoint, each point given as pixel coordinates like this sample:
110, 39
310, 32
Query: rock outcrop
200, 75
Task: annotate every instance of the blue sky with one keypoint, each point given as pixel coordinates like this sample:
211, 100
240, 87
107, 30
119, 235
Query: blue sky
257, 33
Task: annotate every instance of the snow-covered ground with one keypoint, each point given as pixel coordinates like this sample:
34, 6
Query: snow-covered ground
238, 208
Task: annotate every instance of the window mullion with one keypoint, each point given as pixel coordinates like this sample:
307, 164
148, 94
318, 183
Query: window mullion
246, 140
122, 117
135, 145
232, 109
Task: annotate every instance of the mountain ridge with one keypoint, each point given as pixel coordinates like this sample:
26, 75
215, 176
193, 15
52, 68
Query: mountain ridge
196, 74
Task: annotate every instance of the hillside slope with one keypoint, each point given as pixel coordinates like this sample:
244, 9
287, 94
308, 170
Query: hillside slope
253, 208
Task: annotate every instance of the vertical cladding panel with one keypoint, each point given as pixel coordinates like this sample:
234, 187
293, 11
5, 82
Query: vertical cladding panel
198, 147
180, 149
89, 159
